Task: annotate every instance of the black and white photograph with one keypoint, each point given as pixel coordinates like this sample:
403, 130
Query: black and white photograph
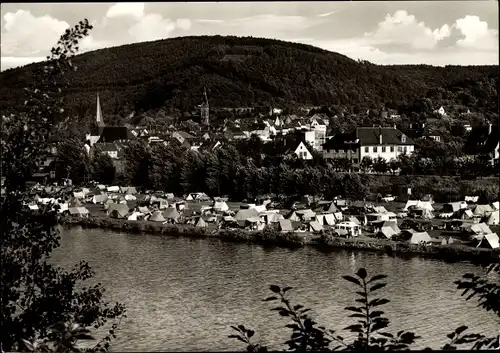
249, 176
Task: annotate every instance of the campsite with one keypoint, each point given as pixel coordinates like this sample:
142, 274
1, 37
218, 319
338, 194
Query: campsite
421, 224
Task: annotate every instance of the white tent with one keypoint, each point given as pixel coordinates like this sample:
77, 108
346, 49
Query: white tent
134, 215
157, 216
99, 198
101, 187
426, 205
493, 219
113, 188
330, 219
480, 228
489, 241
79, 194
221, 206
63, 207
130, 197
315, 227
496, 205
482, 210
420, 237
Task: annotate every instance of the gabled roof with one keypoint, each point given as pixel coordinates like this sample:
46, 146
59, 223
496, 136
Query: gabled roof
339, 141
390, 136
184, 134
479, 141
114, 133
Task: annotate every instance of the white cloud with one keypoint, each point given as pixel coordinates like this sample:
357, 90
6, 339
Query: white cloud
183, 23
476, 34
21, 33
134, 9
404, 29
151, 27
326, 14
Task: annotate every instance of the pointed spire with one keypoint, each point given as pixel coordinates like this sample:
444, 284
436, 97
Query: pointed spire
205, 95
99, 112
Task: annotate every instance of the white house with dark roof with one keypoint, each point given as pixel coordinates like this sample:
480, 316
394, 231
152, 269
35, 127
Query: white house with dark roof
302, 152
388, 143
373, 142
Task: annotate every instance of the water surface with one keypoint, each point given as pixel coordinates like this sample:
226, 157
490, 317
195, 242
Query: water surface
183, 294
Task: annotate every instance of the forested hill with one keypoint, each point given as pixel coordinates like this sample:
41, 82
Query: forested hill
250, 71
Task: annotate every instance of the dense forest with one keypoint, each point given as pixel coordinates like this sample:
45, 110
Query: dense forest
249, 71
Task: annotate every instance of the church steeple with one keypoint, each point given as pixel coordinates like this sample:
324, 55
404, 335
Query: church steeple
204, 109
99, 120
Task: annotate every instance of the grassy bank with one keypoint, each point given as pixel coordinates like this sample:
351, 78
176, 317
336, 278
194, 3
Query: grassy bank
450, 253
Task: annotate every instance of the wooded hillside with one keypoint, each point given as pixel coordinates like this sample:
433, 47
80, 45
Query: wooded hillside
250, 71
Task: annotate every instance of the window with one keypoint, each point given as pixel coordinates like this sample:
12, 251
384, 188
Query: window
375, 149
403, 139
383, 149
367, 149
345, 151
392, 148
405, 148
400, 149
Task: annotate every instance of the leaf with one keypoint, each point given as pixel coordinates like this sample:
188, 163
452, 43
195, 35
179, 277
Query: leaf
375, 314
377, 286
362, 273
353, 308
386, 334
275, 289
352, 279
461, 329
354, 328
286, 289
250, 333
378, 302
358, 315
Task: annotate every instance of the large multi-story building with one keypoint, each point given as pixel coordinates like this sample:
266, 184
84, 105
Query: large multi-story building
373, 142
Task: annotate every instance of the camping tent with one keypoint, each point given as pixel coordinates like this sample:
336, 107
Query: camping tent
134, 216
101, 187
99, 198
420, 237
496, 205
157, 216
144, 210
493, 219
118, 210
74, 203
426, 205
489, 241
482, 210
79, 194
78, 211
285, 225
113, 188
131, 190
244, 214
387, 232
201, 223
171, 213
480, 228
315, 226
467, 214
221, 206
130, 197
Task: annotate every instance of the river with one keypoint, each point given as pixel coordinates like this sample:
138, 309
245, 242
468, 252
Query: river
183, 294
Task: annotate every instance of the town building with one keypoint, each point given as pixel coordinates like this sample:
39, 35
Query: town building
484, 140
303, 152
373, 142
205, 110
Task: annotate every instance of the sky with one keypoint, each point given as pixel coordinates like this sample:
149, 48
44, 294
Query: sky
382, 32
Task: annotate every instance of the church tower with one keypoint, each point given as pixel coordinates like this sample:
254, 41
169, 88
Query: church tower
204, 109
97, 126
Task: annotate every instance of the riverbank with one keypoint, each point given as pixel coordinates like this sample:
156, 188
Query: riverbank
451, 253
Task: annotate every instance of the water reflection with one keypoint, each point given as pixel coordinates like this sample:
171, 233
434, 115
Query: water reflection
182, 294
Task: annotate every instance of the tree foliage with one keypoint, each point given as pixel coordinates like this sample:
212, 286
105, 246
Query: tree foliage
42, 305
371, 327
